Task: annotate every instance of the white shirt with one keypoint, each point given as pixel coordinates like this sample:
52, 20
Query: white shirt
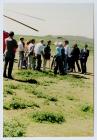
20, 46
67, 50
39, 47
31, 47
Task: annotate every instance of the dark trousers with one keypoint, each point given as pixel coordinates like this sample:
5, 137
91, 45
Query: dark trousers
58, 65
38, 62
9, 61
69, 60
83, 65
77, 64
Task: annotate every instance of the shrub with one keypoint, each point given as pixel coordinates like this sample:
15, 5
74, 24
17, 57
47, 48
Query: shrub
8, 91
18, 103
48, 117
13, 129
86, 108
41, 95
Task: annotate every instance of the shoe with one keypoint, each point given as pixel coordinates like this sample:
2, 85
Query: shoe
5, 76
10, 77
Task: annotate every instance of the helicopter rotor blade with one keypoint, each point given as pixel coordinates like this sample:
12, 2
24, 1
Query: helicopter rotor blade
21, 23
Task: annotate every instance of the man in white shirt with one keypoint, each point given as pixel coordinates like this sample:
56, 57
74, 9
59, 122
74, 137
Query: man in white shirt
21, 52
31, 57
38, 52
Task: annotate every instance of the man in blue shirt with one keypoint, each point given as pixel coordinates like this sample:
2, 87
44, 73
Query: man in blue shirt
58, 60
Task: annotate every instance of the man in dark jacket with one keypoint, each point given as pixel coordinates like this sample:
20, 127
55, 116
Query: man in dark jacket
10, 50
75, 57
83, 59
46, 55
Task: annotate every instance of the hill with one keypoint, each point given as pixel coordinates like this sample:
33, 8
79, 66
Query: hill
41, 104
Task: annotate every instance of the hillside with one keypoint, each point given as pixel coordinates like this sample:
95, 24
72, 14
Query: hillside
41, 104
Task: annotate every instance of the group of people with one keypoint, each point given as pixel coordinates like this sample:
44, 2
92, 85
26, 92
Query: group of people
66, 57
31, 55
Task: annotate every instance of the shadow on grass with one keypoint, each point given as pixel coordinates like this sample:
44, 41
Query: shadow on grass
31, 81
79, 76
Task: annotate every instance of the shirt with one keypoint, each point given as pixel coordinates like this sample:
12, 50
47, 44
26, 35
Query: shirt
39, 47
11, 45
31, 47
58, 51
20, 46
67, 50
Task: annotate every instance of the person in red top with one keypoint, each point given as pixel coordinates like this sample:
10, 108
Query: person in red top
5, 35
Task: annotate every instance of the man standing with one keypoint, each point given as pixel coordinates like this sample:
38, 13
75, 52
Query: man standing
21, 46
38, 52
83, 59
58, 59
75, 57
67, 54
11, 46
31, 58
46, 54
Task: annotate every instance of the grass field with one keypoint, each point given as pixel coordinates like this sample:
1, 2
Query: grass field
41, 104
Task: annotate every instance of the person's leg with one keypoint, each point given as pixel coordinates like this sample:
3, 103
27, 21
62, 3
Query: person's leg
38, 62
11, 62
33, 62
44, 64
82, 66
30, 61
5, 67
56, 66
78, 67
85, 68
60, 64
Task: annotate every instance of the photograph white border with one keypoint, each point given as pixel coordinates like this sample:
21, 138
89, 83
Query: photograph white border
95, 67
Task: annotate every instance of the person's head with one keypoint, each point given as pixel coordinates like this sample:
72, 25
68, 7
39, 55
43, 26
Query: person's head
86, 46
49, 42
66, 42
21, 39
42, 41
75, 46
33, 41
11, 34
60, 44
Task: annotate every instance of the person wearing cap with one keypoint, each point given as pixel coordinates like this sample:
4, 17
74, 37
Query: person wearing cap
21, 46
58, 59
11, 46
46, 54
39, 47
83, 59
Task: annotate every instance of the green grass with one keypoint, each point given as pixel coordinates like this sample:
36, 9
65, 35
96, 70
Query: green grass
48, 117
49, 105
13, 128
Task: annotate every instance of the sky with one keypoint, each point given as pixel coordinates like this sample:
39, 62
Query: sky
59, 19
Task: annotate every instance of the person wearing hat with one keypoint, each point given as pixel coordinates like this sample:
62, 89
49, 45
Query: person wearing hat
11, 46
21, 46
